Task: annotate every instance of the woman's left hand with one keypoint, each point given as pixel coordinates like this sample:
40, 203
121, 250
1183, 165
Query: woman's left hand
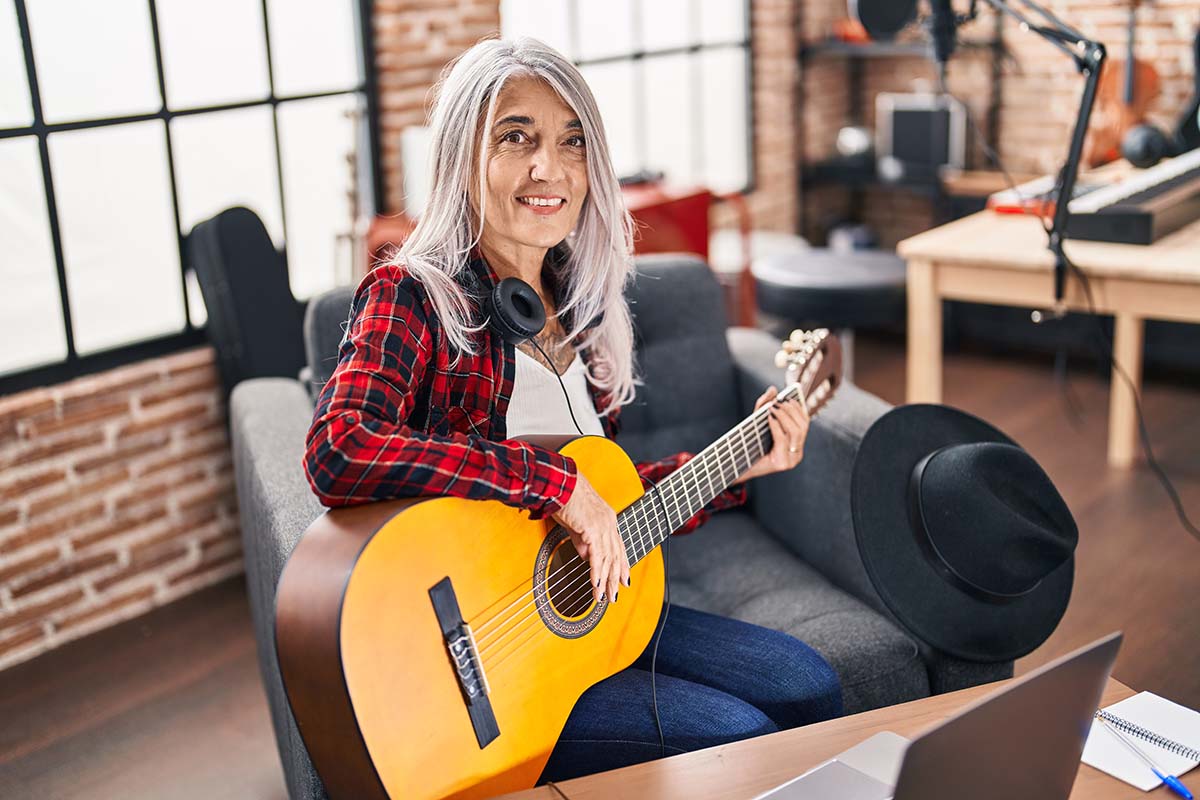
789, 429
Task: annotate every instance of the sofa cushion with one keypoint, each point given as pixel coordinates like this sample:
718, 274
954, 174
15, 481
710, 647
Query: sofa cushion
690, 396
731, 566
325, 323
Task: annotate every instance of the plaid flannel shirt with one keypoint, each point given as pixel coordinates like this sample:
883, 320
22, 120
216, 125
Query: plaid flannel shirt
396, 419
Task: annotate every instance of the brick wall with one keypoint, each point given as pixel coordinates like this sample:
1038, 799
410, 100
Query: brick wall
116, 496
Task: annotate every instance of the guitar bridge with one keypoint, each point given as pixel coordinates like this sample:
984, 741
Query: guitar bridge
464, 655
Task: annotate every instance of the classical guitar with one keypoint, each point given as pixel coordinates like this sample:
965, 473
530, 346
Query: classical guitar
434, 647
1123, 95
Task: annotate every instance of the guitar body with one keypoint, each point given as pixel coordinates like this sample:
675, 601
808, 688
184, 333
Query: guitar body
366, 664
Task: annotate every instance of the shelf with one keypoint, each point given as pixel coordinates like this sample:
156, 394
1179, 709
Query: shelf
836, 47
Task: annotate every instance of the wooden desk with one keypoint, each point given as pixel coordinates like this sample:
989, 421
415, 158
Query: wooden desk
1000, 258
746, 768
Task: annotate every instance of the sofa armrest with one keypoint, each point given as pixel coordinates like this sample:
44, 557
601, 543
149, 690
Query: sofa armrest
808, 509
269, 418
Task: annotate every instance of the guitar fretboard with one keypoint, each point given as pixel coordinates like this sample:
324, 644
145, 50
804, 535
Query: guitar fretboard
645, 523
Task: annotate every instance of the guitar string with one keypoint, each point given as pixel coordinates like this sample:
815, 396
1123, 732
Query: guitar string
575, 608
580, 598
523, 625
532, 632
755, 419
701, 461
704, 459
781, 397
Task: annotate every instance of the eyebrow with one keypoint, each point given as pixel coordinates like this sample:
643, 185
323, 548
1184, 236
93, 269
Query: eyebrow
519, 120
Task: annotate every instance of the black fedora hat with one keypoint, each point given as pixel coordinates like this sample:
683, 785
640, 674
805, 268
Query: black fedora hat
962, 534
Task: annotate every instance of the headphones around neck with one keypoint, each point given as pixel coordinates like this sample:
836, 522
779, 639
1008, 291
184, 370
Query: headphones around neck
514, 310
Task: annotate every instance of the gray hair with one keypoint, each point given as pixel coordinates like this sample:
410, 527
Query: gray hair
598, 253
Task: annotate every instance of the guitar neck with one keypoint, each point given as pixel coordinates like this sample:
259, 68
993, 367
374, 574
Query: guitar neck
674, 500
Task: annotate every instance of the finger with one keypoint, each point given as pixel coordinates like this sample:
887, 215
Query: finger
778, 437
765, 397
793, 421
614, 578
598, 576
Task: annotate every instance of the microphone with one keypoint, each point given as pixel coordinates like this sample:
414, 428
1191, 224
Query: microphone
942, 29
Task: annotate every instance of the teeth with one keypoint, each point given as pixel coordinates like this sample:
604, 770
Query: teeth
537, 201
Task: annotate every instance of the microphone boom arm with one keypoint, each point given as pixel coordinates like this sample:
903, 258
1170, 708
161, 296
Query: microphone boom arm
1088, 56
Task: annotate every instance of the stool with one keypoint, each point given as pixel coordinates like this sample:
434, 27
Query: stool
841, 291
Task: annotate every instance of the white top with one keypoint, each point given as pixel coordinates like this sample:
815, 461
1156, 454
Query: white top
537, 404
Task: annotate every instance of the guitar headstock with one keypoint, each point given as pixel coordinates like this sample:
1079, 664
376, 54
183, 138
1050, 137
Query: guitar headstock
813, 359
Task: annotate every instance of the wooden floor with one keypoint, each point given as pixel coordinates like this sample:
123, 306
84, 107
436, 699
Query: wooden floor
170, 706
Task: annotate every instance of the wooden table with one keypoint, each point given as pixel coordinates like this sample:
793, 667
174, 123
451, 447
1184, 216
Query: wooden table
1000, 258
746, 768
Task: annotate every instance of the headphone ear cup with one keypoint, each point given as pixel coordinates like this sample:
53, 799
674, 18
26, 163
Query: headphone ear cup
517, 311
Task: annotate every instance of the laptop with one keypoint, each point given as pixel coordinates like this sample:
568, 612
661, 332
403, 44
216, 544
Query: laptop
1022, 741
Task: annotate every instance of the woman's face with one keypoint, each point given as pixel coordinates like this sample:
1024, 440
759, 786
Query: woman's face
536, 154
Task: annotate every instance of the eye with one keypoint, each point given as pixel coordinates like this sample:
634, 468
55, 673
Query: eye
579, 140
507, 137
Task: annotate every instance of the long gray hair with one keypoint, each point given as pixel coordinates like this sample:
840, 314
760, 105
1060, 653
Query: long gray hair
598, 253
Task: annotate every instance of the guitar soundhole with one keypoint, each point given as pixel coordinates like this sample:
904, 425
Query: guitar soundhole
562, 588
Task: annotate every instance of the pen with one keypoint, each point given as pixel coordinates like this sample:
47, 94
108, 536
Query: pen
1170, 780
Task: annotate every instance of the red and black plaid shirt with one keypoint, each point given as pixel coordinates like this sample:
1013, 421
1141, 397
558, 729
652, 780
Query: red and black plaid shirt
396, 419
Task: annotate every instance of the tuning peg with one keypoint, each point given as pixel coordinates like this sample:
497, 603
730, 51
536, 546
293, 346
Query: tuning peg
781, 359
797, 338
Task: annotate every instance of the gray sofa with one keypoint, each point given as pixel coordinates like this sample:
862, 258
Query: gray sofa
787, 561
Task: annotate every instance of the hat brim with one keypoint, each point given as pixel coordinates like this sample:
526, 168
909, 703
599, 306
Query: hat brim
921, 599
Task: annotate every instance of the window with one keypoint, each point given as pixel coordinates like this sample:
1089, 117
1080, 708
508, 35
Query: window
124, 123
672, 79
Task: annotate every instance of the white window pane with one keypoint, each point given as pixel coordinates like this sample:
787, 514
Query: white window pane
214, 52
15, 110
225, 159
93, 59
613, 86
605, 29
118, 230
671, 132
542, 19
315, 138
314, 45
726, 125
722, 21
667, 24
31, 323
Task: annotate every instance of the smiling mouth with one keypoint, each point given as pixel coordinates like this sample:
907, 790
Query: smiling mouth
539, 202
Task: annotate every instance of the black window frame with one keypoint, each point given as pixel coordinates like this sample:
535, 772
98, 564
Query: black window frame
638, 56
75, 365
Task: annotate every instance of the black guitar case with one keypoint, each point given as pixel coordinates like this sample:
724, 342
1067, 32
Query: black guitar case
254, 322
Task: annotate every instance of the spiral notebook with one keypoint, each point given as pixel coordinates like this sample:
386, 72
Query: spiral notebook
1168, 733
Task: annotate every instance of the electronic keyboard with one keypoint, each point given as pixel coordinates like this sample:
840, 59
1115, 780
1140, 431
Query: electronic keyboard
1143, 207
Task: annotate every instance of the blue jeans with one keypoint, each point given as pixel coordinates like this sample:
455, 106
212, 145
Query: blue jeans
718, 679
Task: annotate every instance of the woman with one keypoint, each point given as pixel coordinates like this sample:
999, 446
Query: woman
426, 396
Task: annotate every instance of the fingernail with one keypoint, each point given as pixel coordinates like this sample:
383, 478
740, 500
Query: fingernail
616, 595
602, 597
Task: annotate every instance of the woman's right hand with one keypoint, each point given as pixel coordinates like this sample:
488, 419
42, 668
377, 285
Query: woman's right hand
593, 527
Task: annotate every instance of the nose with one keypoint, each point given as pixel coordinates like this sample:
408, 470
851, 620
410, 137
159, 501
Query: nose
546, 166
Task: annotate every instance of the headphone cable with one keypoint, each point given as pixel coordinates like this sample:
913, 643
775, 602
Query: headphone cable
666, 572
